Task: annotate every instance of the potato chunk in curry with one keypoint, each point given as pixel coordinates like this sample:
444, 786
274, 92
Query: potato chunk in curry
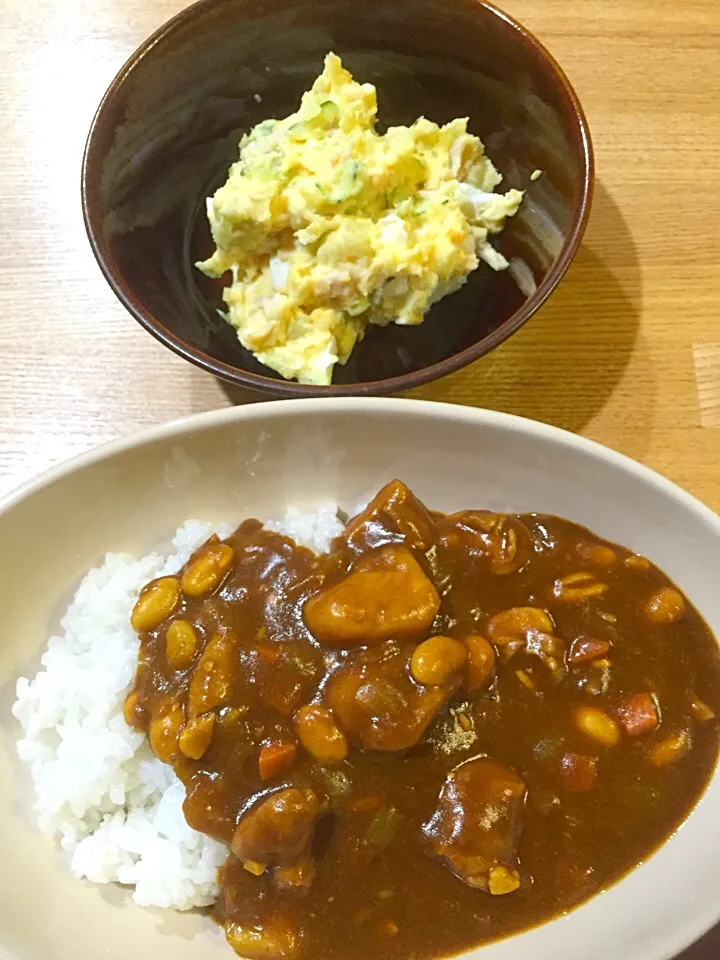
386, 596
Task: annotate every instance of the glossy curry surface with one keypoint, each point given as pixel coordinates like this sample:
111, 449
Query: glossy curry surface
446, 730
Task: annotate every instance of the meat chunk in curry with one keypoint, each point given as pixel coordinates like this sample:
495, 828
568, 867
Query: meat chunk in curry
412, 743
394, 515
379, 706
476, 826
278, 830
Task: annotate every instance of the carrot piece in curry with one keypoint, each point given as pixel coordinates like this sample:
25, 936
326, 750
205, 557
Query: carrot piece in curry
638, 714
275, 758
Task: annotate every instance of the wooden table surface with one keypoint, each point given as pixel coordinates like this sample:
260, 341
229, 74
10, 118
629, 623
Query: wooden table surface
626, 352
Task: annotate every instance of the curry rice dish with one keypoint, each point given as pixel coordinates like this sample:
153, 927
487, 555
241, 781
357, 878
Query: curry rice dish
496, 714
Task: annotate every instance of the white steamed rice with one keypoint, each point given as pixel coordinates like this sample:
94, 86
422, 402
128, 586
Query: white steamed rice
116, 808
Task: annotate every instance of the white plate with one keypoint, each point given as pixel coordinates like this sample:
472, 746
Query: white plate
252, 460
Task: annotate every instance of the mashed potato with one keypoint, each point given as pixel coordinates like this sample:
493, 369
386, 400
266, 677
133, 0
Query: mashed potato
328, 226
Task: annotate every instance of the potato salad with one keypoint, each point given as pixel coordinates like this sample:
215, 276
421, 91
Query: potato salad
327, 226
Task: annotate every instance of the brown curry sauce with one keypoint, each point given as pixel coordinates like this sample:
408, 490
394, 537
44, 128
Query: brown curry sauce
565, 724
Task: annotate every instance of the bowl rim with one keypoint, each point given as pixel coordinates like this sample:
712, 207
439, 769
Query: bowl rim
418, 409
687, 928
289, 388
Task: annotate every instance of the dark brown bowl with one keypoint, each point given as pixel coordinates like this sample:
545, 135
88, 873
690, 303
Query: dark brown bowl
168, 128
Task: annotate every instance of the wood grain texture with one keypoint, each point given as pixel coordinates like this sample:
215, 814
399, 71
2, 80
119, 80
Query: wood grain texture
626, 352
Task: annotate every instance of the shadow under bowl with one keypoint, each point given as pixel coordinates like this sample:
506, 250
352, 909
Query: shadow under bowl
168, 129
